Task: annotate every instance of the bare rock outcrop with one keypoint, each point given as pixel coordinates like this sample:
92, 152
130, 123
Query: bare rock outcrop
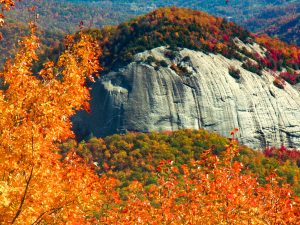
193, 90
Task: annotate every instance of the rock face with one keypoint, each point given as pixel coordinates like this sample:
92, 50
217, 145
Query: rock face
193, 90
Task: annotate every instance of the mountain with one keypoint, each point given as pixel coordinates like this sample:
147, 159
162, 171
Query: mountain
54, 20
178, 68
58, 18
13, 31
274, 17
65, 16
288, 30
237, 10
282, 21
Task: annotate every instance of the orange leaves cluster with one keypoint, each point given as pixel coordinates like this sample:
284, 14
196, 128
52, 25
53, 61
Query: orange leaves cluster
6, 4
36, 185
212, 191
176, 27
280, 50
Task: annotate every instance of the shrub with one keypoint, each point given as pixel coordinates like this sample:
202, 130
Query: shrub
150, 59
180, 70
163, 63
252, 67
175, 68
170, 54
283, 154
186, 59
290, 77
234, 72
279, 82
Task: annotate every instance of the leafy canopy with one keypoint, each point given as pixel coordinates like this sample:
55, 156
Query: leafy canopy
36, 186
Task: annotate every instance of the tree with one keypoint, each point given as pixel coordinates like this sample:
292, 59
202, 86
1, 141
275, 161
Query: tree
36, 185
212, 191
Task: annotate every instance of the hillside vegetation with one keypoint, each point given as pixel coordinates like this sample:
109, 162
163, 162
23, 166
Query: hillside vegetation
55, 19
263, 16
58, 18
12, 31
186, 28
138, 156
238, 11
282, 21
191, 176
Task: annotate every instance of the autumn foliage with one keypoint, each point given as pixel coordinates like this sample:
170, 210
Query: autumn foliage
6, 5
283, 154
38, 185
185, 28
174, 27
291, 77
279, 53
211, 191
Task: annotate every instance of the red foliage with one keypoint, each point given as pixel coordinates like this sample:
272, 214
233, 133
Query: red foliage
225, 37
279, 51
291, 77
283, 154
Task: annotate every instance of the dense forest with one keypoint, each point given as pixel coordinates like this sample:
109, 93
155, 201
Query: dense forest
281, 21
137, 156
55, 19
185, 28
239, 11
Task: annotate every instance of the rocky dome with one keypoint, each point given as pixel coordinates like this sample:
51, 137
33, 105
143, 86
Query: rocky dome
217, 84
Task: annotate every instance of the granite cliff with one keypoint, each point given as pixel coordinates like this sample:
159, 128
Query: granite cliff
144, 96
179, 68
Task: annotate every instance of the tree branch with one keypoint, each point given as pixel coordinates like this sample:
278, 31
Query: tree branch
23, 197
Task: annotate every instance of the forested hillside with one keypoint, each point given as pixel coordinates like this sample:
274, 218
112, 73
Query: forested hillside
57, 18
185, 28
282, 21
138, 156
14, 30
159, 176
